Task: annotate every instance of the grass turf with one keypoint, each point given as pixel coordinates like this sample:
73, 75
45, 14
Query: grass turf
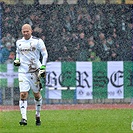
69, 121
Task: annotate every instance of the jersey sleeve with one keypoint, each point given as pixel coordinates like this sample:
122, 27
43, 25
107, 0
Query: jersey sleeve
17, 51
43, 51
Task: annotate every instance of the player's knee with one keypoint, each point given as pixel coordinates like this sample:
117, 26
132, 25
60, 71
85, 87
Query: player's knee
37, 96
23, 95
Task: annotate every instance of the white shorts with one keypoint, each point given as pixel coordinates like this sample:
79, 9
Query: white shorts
28, 81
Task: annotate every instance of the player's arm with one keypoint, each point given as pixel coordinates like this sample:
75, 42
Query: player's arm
17, 60
44, 54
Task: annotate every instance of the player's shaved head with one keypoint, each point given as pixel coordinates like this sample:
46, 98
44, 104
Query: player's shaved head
27, 26
26, 31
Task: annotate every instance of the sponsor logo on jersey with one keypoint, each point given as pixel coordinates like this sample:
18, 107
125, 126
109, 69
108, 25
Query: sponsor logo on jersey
27, 49
24, 50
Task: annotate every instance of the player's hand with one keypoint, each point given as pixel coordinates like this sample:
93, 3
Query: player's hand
17, 62
42, 71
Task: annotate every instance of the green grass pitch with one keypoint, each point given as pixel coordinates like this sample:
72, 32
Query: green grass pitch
70, 121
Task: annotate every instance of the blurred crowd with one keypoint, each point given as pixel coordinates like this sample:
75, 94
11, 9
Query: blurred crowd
71, 32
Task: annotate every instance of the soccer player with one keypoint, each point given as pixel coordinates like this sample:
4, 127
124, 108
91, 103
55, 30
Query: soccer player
28, 51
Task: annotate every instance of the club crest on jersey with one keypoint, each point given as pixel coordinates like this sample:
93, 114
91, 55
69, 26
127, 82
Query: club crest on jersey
32, 46
19, 44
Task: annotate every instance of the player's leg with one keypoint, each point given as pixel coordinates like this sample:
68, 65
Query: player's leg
38, 104
23, 107
24, 88
37, 96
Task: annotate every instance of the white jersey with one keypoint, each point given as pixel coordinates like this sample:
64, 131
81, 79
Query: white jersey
28, 51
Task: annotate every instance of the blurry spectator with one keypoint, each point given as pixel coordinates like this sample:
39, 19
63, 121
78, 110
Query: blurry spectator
82, 3
126, 50
27, 20
37, 30
110, 41
73, 15
92, 7
104, 51
93, 46
114, 48
6, 11
32, 18
99, 21
93, 57
8, 25
68, 24
43, 37
82, 54
19, 8
4, 54
65, 2
55, 2
79, 28
1, 54
113, 55
17, 20
36, 2
129, 31
9, 39
66, 47
11, 58
9, 46
101, 37
107, 1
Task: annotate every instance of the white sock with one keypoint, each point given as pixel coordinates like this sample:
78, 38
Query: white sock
38, 104
23, 108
